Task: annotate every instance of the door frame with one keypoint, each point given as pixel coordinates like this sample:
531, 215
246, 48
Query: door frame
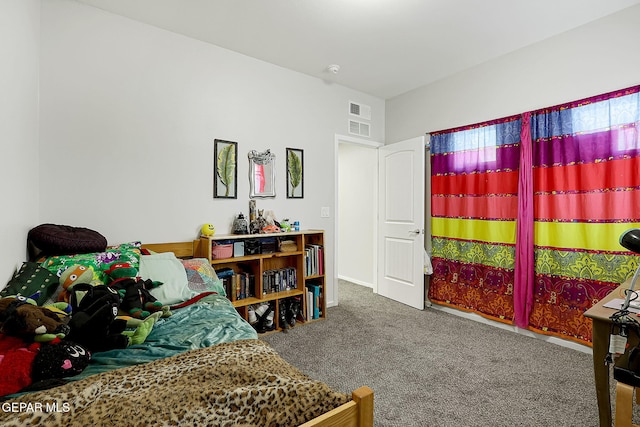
344, 139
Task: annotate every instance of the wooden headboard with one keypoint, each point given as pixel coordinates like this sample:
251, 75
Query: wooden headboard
180, 249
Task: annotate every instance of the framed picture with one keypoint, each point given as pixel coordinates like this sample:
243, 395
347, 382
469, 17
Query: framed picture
295, 173
225, 176
262, 174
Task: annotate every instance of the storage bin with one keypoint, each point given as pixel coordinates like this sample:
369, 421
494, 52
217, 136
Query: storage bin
268, 245
238, 248
221, 249
287, 245
251, 246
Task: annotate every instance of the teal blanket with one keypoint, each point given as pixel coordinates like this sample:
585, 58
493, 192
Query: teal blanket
211, 320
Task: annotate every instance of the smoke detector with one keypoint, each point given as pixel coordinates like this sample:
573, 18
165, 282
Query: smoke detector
333, 68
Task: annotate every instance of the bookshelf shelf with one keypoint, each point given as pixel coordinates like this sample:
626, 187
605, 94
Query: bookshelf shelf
276, 277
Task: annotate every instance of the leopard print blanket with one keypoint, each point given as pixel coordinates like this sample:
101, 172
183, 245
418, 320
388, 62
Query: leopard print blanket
243, 383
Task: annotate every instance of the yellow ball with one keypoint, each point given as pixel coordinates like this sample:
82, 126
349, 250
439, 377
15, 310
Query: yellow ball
208, 230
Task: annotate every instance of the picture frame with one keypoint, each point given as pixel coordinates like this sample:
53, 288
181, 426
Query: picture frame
225, 169
295, 173
262, 174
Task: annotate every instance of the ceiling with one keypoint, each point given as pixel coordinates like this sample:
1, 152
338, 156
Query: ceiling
383, 47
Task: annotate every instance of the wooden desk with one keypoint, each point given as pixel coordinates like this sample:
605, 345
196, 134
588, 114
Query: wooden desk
600, 342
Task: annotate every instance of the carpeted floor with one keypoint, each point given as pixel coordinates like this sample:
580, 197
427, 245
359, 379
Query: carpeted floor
431, 368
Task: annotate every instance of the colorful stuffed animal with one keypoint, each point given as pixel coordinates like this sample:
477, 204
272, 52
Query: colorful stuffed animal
24, 363
16, 363
74, 274
137, 301
19, 316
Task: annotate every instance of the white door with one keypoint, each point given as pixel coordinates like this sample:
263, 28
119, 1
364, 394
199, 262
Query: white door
401, 177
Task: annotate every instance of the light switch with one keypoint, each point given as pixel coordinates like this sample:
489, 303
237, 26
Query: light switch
324, 212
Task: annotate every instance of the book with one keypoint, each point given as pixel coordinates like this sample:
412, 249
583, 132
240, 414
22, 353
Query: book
283, 279
315, 298
314, 260
309, 304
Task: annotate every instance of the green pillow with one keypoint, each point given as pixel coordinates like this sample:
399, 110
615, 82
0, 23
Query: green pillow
32, 278
98, 261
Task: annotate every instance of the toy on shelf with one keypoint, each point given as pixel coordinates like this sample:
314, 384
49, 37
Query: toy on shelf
208, 230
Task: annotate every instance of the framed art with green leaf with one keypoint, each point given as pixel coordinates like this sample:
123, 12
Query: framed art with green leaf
225, 182
295, 173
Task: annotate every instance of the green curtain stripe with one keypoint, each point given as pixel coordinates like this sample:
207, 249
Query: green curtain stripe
603, 267
472, 252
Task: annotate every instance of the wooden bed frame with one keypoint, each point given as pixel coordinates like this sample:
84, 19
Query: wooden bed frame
356, 413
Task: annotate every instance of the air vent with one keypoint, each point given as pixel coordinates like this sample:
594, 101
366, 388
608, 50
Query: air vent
359, 128
360, 110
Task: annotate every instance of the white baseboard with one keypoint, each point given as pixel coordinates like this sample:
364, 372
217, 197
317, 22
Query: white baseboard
512, 328
356, 281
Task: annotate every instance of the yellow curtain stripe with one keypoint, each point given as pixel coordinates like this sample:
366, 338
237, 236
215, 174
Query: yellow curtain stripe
475, 229
581, 235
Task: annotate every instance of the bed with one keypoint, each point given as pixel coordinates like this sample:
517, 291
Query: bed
202, 365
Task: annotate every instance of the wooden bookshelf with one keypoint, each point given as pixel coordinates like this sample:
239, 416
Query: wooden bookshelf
298, 267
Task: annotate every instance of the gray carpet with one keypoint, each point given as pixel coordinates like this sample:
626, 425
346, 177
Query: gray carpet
431, 368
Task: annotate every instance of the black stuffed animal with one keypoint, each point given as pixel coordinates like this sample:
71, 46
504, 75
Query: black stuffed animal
93, 322
59, 359
137, 301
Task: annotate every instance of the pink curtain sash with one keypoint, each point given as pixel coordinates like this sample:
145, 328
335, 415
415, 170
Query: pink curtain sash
524, 268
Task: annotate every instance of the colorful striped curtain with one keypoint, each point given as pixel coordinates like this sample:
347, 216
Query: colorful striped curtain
586, 159
578, 192
474, 187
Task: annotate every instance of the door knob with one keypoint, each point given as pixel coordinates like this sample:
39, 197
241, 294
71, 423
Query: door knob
416, 231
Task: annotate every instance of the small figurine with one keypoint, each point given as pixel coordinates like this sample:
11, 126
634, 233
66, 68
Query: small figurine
262, 223
240, 225
258, 224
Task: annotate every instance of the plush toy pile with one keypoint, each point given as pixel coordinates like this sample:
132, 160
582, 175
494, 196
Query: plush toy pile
32, 349
40, 345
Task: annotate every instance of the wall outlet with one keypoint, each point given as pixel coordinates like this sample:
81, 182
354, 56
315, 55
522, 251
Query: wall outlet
324, 212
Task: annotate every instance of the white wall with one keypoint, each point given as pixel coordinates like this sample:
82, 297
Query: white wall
357, 208
19, 168
129, 114
598, 57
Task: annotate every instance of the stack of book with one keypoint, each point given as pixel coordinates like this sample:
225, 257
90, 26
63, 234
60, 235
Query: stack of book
314, 260
237, 285
314, 301
279, 280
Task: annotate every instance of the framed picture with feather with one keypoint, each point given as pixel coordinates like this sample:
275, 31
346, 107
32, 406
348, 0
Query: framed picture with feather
295, 173
225, 182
